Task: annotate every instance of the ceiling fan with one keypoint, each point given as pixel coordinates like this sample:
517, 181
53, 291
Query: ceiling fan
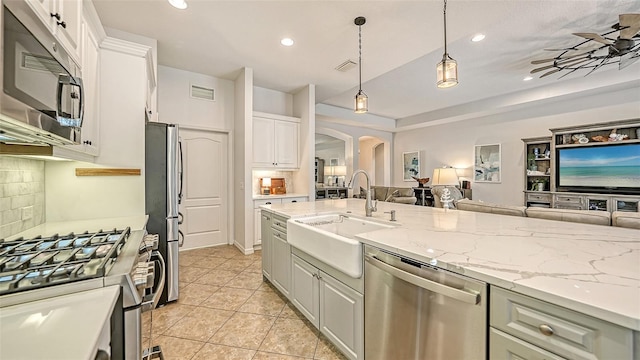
623, 50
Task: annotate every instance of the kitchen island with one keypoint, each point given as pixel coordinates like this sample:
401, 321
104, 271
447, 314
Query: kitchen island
590, 269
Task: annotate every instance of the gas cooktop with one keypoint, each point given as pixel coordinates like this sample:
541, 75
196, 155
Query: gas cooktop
27, 264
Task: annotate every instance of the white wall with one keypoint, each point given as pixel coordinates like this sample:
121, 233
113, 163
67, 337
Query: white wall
367, 155
304, 108
380, 164
272, 101
71, 197
242, 162
453, 144
352, 134
122, 103
176, 106
332, 150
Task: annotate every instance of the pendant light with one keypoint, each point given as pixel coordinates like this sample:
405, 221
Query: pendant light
447, 69
362, 101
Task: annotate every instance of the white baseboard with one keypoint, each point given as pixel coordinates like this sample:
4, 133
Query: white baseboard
242, 249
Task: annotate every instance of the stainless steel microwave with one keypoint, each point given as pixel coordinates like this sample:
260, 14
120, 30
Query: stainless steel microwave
42, 95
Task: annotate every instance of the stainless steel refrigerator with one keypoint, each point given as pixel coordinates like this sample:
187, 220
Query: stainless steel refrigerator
163, 191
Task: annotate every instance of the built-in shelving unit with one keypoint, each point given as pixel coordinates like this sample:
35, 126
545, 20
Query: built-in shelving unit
592, 136
538, 171
541, 167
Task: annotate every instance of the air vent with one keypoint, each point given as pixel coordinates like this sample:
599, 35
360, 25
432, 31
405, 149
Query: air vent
203, 93
41, 63
346, 66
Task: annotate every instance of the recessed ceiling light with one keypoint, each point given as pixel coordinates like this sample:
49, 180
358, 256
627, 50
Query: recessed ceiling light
527, 78
178, 4
477, 37
286, 42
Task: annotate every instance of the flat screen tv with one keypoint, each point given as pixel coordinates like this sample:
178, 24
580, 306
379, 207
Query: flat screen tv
613, 168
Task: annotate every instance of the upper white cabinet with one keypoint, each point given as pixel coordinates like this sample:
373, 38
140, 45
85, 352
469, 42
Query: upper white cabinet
64, 20
275, 141
89, 134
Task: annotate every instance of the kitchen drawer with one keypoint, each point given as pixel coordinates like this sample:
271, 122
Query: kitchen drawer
504, 346
541, 197
561, 331
567, 201
257, 203
279, 223
294, 200
280, 235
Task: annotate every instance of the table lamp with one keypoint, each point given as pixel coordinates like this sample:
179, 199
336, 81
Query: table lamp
265, 186
339, 171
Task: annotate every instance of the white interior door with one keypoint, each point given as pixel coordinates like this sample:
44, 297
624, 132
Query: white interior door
205, 196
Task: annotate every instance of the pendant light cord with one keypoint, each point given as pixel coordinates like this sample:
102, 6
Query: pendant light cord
445, 27
360, 57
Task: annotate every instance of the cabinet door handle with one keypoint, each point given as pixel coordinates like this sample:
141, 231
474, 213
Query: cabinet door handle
546, 329
294, 201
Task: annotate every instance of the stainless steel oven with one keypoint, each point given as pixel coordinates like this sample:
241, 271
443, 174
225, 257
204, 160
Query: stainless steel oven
416, 311
48, 266
42, 95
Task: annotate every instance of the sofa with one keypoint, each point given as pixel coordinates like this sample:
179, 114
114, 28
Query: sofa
481, 206
579, 216
390, 194
624, 219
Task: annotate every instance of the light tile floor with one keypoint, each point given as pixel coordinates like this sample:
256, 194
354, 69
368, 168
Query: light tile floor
226, 311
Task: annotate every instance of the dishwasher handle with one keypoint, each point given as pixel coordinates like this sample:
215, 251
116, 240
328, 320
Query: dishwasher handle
462, 295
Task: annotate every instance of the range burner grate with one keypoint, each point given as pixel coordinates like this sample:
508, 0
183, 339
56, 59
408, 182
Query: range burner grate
42, 261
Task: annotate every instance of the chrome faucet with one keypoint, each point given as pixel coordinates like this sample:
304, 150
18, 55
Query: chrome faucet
369, 208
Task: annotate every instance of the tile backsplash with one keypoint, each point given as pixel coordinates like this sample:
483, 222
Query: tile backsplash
21, 194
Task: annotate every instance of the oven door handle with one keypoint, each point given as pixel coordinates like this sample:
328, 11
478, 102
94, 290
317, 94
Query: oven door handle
151, 301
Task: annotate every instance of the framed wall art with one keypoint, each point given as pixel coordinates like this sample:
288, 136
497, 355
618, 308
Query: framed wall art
487, 166
410, 165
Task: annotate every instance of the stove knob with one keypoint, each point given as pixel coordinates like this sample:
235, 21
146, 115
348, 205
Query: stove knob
140, 280
143, 280
152, 240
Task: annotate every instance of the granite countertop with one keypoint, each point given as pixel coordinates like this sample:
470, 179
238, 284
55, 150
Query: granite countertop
591, 269
79, 226
71, 324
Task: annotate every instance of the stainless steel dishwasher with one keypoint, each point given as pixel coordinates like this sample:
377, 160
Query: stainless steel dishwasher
417, 311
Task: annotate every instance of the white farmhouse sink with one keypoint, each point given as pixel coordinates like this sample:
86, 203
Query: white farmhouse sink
330, 238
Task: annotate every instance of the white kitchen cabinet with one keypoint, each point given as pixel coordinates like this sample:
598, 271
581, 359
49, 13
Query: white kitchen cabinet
330, 305
342, 316
63, 18
266, 235
504, 346
275, 141
257, 223
280, 262
89, 135
305, 289
542, 327
276, 252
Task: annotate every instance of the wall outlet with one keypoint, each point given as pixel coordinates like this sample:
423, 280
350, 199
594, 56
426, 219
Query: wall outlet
27, 213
